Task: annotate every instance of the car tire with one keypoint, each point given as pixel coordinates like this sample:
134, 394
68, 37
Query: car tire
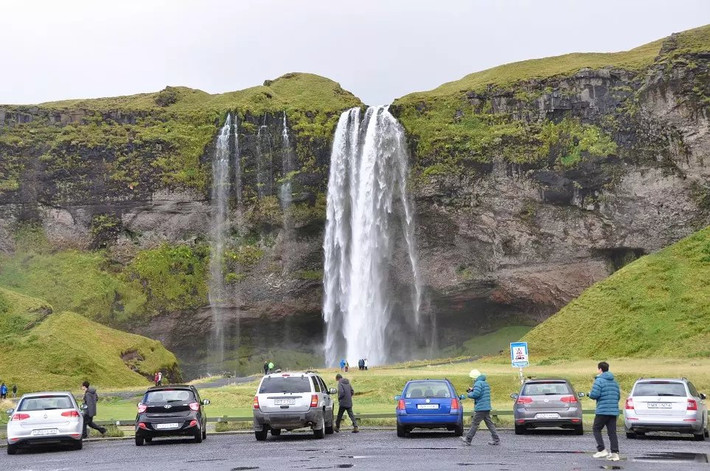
329, 425
401, 431
139, 440
320, 432
631, 435
204, 433
11, 449
261, 434
458, 430
520, 429
197, 438
275, 432
579, 430
148, 439
78, 445
699, 437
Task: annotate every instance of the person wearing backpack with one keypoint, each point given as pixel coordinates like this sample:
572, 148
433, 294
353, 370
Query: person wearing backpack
90, 399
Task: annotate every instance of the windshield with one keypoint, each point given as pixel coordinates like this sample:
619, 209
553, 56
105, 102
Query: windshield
45, 403
546, 389
285, 384
659, 388
167, 395
427, 389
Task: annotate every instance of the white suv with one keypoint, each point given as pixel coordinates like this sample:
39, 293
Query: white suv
290, 401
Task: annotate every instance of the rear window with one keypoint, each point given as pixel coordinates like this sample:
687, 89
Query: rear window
167, 395
285, 384
427, 389
659, 388
46, 403
546, 389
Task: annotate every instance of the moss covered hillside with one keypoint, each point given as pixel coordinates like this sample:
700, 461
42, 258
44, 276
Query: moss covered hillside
43, 349
544, 113
657, 306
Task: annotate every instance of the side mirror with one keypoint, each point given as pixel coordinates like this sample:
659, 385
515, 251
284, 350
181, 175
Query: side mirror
9, 411
397, 397
703, 396
514, 396
205, 402
84, 407
332, 391
581, 394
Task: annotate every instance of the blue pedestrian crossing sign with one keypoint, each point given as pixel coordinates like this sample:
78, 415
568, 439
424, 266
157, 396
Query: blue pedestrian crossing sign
519, 354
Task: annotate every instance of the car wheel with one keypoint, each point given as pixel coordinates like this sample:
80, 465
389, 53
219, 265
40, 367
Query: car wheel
320, 431
579, 430
204, 433
520, 429
401, 431
630, 435
699, 437
261, 434
139, 440
458, 430
329, 425
78, 445
11, 449
148, 439
275, 432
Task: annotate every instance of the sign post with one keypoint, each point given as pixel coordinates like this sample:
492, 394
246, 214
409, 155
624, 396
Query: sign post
519, 356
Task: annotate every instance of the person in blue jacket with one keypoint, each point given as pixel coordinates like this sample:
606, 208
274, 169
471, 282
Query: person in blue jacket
606, 392
481, 395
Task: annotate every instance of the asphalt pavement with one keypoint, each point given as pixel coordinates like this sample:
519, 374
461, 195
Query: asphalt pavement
368, 450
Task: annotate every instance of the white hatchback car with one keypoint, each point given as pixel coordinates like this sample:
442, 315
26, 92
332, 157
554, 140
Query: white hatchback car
44, 418
290, 401
665, 405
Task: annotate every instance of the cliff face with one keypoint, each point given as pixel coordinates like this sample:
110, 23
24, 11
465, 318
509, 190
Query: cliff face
528, 188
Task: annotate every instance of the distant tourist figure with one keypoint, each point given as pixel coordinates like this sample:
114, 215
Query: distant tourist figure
481, 395
271, 366
266, 368
347, 366
342, 364
155, 378
361, 364
345, 402
14, 390
3, 391
90, 399
160, 378
364, 363
606, 392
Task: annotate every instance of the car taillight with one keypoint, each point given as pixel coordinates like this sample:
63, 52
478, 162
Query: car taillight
454, 404
142, 426
195, 406
255, 404
142, 408
692, 404
193, 423
569, 399
524, 400
20, 416
314, 400
70, 413
400, 405
629, 403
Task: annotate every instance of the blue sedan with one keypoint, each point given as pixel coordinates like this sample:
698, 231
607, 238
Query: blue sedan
429, 403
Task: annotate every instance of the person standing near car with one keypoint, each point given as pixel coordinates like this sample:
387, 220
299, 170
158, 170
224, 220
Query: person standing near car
481, 395
605, 391
345, 402
90, 399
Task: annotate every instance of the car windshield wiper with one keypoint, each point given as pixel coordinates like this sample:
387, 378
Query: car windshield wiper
668, 394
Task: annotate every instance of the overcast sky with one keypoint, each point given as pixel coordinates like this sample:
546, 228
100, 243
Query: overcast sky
378, 49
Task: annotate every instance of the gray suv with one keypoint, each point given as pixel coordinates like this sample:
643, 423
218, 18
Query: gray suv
289, 401
665, 405
547, 403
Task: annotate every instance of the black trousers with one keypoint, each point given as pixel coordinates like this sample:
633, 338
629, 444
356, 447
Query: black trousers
608, 421
89, 421
341, 411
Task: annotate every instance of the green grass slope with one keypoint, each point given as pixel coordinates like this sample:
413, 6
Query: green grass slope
657, 306
42, 350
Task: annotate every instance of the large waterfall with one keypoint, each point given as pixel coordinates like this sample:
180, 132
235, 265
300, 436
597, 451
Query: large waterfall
220, 206
368, 214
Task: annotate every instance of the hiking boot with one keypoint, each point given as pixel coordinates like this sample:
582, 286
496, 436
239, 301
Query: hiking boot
465, 442
613, 457
494, 443
355, 429
336, 430
601, 454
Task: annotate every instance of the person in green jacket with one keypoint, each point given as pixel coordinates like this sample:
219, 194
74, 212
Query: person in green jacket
607, 394
481, 395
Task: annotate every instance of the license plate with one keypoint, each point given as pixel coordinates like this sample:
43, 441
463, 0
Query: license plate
659, 405
166, 426
45, 431
547, 416
284, 402
427, 406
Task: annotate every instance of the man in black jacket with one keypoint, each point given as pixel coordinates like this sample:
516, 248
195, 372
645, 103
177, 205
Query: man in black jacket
345, 402
90, 399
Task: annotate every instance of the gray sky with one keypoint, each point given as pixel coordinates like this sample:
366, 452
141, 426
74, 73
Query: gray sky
378, 49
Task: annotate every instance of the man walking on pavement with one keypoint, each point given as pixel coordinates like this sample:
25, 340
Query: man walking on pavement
345, 402
481, 395
90, 399
606, 392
